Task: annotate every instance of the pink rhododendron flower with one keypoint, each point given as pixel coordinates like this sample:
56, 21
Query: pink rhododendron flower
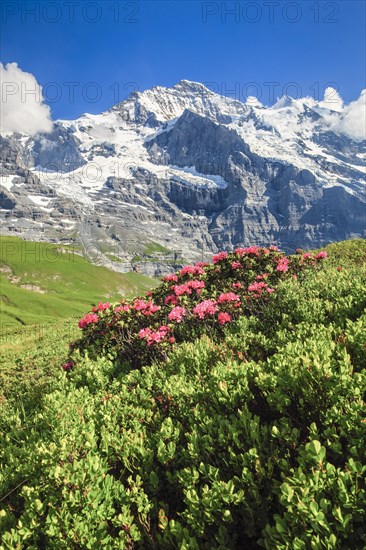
307, 256
223, 318
283, 265
321, 254
228, 297
138, 305
201, 264
150, 309
171, 277
196, 285
144, 332
254, 250
236, 265
259, 288
123, 307
101, 307
88, 319
191, 269
158, 336
261, 277
146, 308
68, 366
274, 248
104, 306
237, 285
154, 337
171, 300
219, 257
207, 307
179, 290
177, 314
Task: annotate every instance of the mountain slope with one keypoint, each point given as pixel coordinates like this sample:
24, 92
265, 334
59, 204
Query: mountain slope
190, 170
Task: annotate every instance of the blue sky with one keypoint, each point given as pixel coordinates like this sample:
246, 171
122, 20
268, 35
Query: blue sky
89, 55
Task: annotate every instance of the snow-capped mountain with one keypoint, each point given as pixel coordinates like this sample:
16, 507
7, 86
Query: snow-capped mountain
189, 171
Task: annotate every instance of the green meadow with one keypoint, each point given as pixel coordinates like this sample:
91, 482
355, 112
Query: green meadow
43, 283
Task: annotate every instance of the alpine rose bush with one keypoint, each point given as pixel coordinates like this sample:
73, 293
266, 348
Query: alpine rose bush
198, 299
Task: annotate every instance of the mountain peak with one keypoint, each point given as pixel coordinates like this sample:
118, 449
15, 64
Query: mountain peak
252, 101
284, 101
189, 85
296, 103
161, 104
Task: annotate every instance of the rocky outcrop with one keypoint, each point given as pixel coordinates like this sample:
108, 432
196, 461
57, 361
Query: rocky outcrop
57, 151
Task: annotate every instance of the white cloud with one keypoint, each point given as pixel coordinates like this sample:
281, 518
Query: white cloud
352, 120
22, 107
332, 100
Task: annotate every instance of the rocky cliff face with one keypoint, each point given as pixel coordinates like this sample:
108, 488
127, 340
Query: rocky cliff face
182, 172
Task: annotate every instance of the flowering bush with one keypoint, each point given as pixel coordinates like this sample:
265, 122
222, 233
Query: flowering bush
197, 299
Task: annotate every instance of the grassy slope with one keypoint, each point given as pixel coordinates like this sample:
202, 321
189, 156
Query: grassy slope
31, 356
71, 283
